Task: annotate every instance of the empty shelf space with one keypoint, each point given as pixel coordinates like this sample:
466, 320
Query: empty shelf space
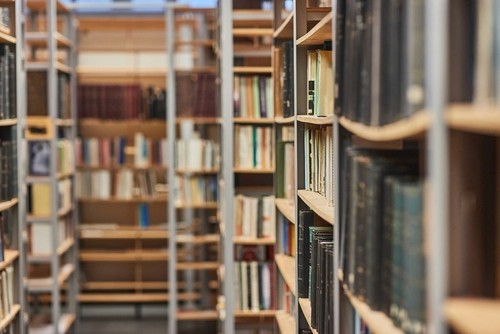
319, 204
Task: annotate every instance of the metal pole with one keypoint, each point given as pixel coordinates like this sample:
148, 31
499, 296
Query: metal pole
436, 74
171, 235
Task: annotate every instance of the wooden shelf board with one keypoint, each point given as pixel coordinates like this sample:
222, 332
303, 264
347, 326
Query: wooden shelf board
239, 240
410, 127
197, 315
377, 321
197, 265
61, 250
9, 318
252, 70
286, 207
10, 256
7, 38
208, 205
8, 122
41, 5
44, 66
286, 322
8, 204
141, 285
197, 171
254, 314
158, 72
285, 30
254, 16
124, 166
321, 32
286, 266
318, 120
474, 118
40, 38
319, 204
248, 120
154, 199
45, 284
106, 298
199, 120
122, 256
305, 306
473, 315
284, 120
240, 170
252, 32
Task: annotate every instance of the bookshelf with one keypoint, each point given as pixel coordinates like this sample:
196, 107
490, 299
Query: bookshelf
51, 214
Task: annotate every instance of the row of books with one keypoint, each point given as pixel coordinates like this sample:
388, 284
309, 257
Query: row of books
7, 291
195, 94
8, 222
37, 94
382, 242
315, 270
252, 96
8, 168
254, 216
287, 79
288, 236
40, 195
40, 236
197, 154
319, 82
318, 162
109, 152
39, 157
8, 105
285, 163
253, 146
253, 287
196, 189
380, 60
120, 184
5, 19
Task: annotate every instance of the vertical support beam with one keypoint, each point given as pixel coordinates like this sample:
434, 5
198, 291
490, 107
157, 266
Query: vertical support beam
21, 99
227, 194
436, 87
171, 217
52, 111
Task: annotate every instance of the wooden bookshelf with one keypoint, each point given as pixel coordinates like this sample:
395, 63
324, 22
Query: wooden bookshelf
285, 30
8, 204
284, 120
305, 306
411, 127
197, 171
43, 66
240, 120
286, 322
124, 166
208, 205
252, 32
377, 321
286, 207
257, 17
45, 284
65, 122
321, 32
65, 323
122, 256
473, 315
61, 250
197, 266
9, 318
317, 120
239, 240
474, 118
286, 266
318, 204
140, 285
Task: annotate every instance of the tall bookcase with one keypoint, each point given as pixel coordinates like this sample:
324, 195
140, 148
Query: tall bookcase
169, 232
51, 215
12, 203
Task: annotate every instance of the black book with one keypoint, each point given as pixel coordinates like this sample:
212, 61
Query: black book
303, 252
339, 56
316, 289
323, 301
12, 85
364, 24
288, 79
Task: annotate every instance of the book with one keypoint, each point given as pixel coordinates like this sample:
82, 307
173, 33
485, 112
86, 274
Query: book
303, 252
